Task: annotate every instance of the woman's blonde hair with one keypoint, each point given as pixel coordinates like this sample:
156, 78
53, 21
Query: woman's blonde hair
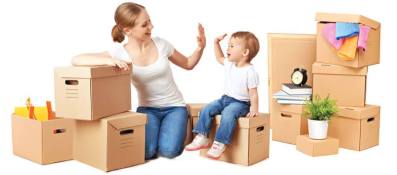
251, 42
125, 16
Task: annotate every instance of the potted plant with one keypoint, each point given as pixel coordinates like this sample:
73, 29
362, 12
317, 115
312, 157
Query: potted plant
319, 112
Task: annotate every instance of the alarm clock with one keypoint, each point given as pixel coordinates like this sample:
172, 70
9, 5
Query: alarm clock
299, 76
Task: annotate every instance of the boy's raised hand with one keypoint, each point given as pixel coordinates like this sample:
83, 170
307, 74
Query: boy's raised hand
220, 38
201, 37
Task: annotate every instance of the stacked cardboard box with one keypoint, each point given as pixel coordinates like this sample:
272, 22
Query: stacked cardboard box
250, 141
356, 125
289, 124
286, 52
107, 136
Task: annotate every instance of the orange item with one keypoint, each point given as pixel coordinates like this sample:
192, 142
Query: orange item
49, 110
348, 49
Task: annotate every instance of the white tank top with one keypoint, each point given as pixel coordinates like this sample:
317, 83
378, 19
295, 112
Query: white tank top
155, 83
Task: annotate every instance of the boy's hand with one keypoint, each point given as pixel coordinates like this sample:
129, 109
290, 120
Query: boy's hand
253, 114
201, 37
220, 38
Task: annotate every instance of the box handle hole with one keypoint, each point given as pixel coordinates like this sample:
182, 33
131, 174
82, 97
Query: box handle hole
371, 119
72, 82
260, 128
128, 131
286, 115
58, 131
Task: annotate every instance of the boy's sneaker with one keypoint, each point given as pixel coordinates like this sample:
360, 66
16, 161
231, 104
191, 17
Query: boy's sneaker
199, 142
216, 150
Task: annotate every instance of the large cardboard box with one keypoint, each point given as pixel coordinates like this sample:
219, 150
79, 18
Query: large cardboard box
346, 85
327, 54
328, 146
289, 124
111, 143
250, 141
90, 93
356, 128
43, 142
286, 52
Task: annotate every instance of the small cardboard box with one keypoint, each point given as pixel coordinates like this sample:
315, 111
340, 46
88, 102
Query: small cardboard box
327, 54
90, 93
43, 142
346, 85
289, 124
328, 146
250, 141
111, 143
356, 128
286, 52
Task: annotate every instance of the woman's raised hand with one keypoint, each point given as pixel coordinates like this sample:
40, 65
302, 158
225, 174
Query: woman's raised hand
201, 41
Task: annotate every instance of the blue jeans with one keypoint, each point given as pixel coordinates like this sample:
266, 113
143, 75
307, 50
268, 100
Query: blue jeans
165, 131
230, 109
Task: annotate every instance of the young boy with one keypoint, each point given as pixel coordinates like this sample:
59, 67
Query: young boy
240, 98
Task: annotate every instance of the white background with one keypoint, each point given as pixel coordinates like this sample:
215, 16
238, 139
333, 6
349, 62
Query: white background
36, 36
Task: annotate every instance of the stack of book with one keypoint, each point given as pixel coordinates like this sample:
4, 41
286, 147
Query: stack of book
293, 94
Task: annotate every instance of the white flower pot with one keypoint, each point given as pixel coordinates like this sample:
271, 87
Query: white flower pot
318, 129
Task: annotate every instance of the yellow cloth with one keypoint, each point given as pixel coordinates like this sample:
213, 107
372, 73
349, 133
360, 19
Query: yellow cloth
40, 112
348, 49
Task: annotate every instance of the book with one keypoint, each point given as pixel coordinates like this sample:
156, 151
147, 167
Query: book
285, 96
295, 102
296, 90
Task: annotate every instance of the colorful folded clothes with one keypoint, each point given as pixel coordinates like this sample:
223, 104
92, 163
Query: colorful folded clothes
329, 34
345, 30
363, 37
348, 49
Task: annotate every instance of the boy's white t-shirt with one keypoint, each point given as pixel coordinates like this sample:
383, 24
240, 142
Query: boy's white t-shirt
239, 80
155, 83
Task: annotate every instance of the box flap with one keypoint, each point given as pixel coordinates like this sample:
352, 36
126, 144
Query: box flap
90, 71
359, 112
335, 17
126, 120
323, 68
245, 122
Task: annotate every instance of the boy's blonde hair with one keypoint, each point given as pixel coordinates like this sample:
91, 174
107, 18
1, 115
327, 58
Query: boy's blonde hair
251, 42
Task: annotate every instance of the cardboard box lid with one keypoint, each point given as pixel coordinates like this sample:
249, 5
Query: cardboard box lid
126, 120
359, 112
90, 71
338, 17
298, 109
323, 68
245, 122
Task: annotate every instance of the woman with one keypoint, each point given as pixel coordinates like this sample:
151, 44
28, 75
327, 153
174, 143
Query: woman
158, 94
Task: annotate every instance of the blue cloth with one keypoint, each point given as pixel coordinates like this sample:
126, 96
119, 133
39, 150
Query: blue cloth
345, 30
230, 108
165, 131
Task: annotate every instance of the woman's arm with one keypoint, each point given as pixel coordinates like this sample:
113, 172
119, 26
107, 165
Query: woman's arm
189, 63
98, 59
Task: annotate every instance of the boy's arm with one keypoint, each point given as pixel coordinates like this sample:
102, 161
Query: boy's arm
218, 50
253, 93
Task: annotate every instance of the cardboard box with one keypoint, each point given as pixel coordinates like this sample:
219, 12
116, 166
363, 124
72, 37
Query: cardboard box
250, 142
111, 143
346, 85
90, 93
194, 111
312, 147
189, 134
327, 54
43, 142
286, 52
289, 124
356, 128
